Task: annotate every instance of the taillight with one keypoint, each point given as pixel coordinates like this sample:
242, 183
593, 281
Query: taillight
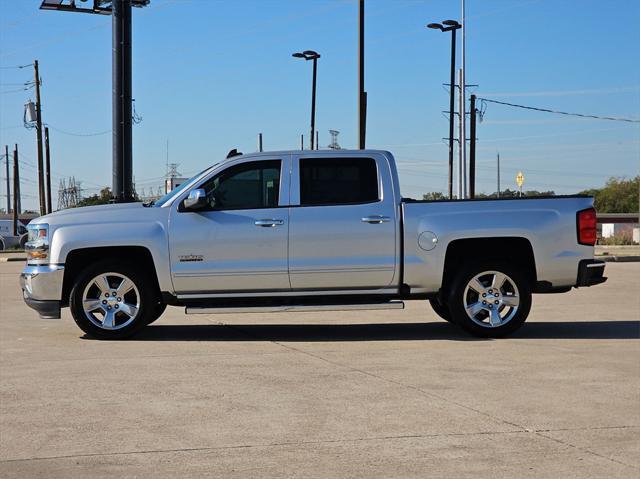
587, 233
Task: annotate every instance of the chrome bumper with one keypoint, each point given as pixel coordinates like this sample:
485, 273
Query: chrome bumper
42, 289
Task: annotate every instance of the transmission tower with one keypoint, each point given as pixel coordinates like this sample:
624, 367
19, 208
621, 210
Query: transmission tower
172, 170
69, 194
334, 139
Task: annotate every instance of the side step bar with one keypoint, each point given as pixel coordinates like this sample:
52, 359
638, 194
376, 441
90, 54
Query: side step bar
293, 308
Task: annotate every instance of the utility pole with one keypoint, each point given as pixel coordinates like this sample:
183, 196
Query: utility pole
48, 166
260, 142
16, 190
6, 157
317, 140
498, 175
302, 142
41, 192
472, 149
362, 95
460, 137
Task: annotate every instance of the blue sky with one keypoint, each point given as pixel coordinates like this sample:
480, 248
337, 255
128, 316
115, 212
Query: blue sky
209, 75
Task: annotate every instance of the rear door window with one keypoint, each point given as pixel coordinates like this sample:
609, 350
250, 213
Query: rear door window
338, 181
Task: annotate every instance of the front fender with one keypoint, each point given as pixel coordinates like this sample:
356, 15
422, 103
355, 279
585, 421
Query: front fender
150, 235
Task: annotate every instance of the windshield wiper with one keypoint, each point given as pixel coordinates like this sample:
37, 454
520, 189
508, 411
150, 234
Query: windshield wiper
149, 203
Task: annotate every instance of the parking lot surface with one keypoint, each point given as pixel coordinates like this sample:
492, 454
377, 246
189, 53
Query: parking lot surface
354, 394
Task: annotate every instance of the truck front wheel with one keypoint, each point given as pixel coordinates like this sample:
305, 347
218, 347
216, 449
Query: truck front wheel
113, 300
440, 309
490, 300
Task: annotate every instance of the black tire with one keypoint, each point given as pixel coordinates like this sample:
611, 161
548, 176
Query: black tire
1, 244
159, 309
515, 288
146, 295
441, 309
23, 240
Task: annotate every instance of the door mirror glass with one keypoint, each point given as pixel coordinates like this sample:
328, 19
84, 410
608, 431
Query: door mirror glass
197, 199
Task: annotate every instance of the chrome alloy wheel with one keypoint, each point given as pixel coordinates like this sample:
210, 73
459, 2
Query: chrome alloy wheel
491, 299
111, 301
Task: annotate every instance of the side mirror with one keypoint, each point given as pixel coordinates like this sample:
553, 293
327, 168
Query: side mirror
197, 199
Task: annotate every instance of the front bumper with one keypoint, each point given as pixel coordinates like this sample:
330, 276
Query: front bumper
590, 272
42, 289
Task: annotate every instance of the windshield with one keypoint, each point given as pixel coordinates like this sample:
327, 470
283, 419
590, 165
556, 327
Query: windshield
179, 189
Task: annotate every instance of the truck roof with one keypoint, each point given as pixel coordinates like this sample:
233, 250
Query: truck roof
325, 152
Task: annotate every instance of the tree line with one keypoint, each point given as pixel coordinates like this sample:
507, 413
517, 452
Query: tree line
618, 195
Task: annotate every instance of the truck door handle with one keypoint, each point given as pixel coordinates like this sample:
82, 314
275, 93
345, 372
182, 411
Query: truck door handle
269, 223
376, 219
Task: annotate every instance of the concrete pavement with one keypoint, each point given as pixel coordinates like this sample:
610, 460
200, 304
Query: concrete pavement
355, 394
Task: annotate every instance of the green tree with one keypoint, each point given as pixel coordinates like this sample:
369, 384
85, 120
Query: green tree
437, 196
100, 199
618, 195
434, 196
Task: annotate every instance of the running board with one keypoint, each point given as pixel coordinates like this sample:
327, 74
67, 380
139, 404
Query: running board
293, 308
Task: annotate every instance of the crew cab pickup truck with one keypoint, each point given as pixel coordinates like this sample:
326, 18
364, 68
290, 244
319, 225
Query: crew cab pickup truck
307, 231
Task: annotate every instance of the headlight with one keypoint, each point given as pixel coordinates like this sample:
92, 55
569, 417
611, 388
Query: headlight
37, 245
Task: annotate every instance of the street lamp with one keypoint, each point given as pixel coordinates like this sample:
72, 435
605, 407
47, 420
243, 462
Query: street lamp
311, 55
451, 26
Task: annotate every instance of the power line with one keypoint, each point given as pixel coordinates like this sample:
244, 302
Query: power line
78, 134
14, 91
547, 110
16, 67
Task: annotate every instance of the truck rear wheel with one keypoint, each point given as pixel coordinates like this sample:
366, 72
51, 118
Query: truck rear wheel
490, 299
113, 300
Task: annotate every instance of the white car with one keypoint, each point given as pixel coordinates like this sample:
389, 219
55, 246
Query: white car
8, 239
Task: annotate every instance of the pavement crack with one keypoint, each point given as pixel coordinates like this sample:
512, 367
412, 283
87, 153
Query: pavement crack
265, 445
321, 442
381, 378
584, 449
520, 427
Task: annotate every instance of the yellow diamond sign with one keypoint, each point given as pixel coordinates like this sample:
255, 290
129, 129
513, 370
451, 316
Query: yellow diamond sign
519, 179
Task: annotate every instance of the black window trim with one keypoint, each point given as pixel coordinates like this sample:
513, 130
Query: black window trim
301, 158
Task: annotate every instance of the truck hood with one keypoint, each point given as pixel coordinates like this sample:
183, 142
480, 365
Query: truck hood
125, 213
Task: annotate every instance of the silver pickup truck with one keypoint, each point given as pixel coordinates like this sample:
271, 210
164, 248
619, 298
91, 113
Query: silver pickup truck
307, 231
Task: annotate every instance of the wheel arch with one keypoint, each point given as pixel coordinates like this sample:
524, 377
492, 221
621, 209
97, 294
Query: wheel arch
515, 250
79, 258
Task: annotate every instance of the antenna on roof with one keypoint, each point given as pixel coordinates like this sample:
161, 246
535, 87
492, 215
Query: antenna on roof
233, 153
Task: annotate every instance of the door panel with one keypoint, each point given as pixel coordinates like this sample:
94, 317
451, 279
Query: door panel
226, 251
346, 246
241, 242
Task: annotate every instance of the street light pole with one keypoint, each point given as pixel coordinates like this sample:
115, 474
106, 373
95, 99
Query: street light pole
452, 27
311, 55
463, 108
362, 95
122, 110
313, 102
120, 10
